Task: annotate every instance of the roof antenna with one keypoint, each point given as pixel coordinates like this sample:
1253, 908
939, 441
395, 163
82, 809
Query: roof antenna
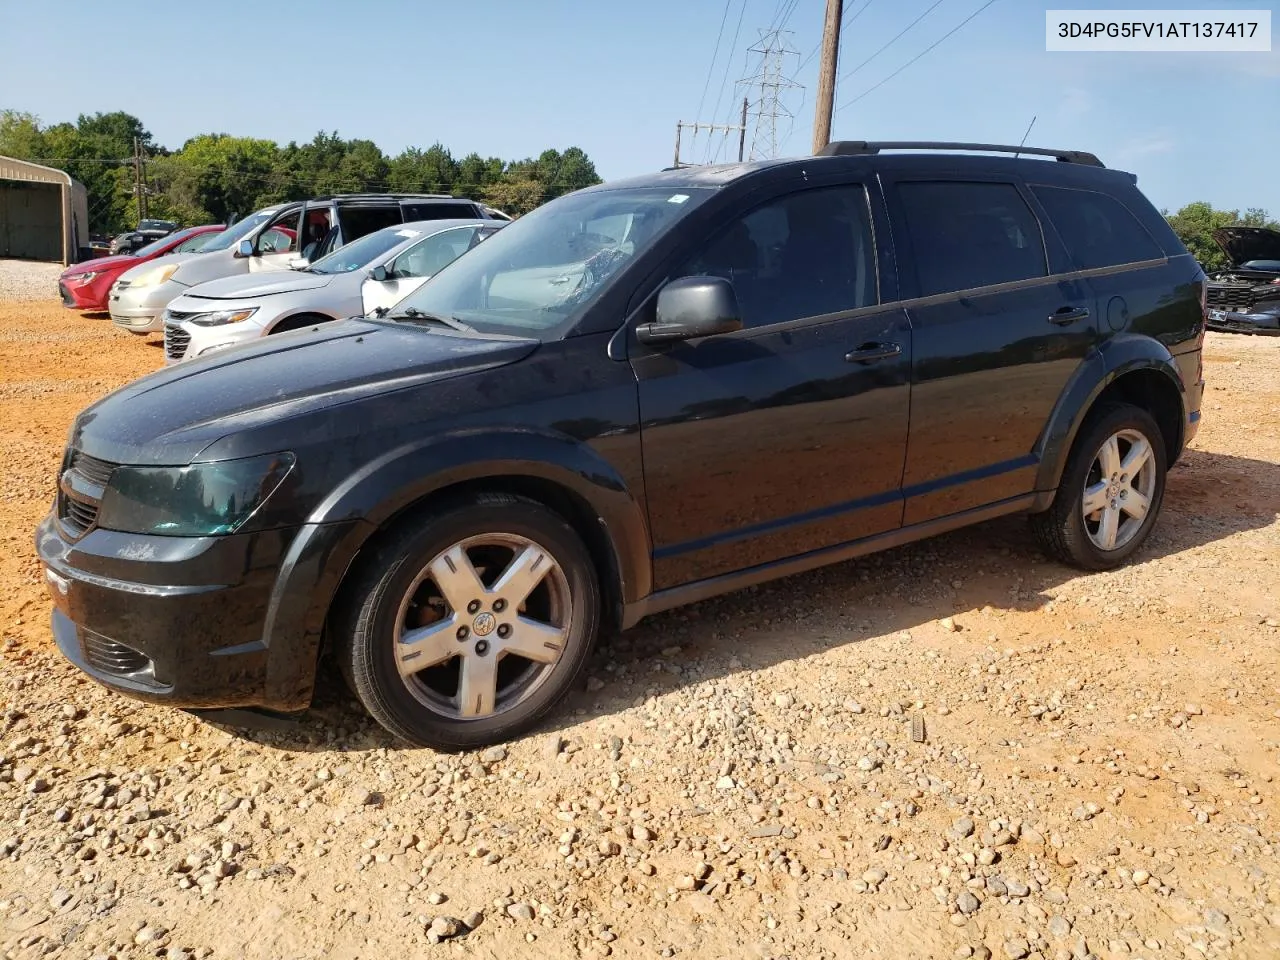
1023, 141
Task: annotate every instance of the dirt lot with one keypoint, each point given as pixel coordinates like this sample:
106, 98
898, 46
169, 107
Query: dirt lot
735, 779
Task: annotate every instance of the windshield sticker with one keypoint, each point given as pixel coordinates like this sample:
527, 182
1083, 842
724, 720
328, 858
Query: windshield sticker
407, 233
678, 198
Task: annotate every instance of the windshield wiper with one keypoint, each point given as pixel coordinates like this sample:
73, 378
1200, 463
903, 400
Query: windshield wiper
414, 314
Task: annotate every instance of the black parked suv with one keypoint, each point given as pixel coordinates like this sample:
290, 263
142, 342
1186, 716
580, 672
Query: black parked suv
637, 396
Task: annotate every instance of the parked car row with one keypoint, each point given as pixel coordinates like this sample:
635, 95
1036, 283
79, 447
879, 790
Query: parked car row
85, 285
639, 395
364, 276
147, 231
276, 238
1245, 298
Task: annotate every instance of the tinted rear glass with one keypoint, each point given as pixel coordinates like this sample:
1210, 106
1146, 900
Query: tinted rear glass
439, 211
361, 221
966, 235
1098, 230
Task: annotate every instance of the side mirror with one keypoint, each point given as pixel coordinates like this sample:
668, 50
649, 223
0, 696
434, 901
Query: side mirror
693, 307
378, 274
244, 248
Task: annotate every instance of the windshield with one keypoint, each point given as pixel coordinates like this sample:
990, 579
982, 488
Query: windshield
155, 246
237, 231
359, 253
544, 269
157, 225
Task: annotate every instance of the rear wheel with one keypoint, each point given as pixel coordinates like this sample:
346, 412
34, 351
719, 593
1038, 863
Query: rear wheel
469, 626
1111, 491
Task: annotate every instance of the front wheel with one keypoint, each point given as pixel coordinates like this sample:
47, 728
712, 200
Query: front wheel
1111, 491
468, 626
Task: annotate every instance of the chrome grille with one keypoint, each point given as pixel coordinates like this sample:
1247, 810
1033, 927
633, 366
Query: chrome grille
176, 341
1230, 298
111, 656
78, 511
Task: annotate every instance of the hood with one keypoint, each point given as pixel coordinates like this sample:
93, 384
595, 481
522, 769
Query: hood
1242, 244
170, 416
253, 285
99, 264
144, 265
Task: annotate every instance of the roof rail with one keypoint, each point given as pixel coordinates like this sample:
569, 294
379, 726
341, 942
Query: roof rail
856, 148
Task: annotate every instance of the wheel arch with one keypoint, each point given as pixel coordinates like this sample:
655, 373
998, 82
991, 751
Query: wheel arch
566, 476
299, 320
1132, 369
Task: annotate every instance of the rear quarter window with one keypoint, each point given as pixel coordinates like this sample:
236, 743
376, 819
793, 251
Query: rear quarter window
439, 211
1098, 230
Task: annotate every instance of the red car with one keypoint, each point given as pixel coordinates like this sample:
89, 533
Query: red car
85, 285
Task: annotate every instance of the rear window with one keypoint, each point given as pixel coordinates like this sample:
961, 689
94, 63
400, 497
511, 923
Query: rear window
1099, 230
966, 235
440, 211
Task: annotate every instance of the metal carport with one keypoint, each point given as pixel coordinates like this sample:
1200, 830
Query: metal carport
44, 213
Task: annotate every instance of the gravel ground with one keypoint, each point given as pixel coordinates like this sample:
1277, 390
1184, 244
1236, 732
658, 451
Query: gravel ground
738, 779
28, 280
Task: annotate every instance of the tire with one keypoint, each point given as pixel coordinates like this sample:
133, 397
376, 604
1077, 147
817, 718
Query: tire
1066, 531
399, 615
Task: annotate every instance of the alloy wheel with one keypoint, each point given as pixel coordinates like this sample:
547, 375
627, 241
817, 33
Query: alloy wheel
482, 626
1119, 489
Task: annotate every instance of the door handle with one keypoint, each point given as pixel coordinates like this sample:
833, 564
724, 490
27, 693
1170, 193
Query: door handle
1065, 315
871, 352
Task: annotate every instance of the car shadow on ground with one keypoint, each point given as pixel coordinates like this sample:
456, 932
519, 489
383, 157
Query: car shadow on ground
1210, 497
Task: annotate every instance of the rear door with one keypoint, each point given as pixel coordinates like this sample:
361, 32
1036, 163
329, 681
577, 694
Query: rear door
996, 336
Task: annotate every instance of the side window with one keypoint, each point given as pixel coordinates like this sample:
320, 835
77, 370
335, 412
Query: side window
281, 236
966, 235
433, 254
440, 210
1097, 229
191, 243
802, 255
358, 221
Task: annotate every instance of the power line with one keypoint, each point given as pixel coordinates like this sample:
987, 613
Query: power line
712, 67
926, 50
900, 35
728, 62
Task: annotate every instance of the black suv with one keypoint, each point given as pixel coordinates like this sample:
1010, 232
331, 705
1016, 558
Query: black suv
637, 396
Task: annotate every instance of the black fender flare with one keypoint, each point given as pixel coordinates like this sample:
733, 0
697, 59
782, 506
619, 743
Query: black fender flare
1103, 366
342, 523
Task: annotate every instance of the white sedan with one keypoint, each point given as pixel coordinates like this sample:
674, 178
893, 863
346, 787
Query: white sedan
360, 278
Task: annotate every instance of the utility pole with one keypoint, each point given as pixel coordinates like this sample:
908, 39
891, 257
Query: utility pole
137, 176
827, 75
742, 134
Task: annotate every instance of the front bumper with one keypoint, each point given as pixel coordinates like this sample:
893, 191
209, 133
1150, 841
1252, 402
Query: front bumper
1231, 321
75, 296
183, 621
139, 309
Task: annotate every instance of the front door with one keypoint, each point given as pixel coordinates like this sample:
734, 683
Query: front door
788, 435
277, 245
996, 338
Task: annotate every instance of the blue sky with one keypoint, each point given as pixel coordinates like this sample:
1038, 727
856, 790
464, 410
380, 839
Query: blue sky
511, 77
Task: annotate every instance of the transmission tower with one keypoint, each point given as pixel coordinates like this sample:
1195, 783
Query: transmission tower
770, 83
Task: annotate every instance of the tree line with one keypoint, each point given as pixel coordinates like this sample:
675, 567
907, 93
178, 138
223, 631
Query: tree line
215, 176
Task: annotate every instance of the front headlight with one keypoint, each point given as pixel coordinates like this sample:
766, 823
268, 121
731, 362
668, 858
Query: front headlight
202, 500
221, 317
155, 276
83, 277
